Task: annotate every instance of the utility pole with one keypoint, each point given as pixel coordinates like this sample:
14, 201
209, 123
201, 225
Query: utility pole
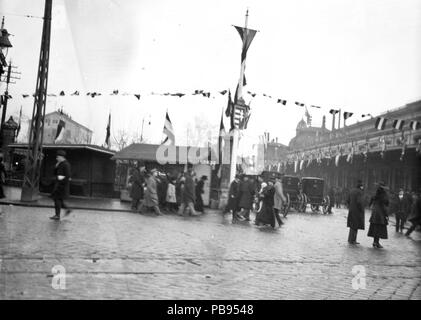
36, 132
7, 79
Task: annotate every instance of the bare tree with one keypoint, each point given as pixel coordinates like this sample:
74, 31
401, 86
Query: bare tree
121, 139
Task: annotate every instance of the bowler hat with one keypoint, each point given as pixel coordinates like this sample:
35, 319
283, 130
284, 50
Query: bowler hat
61, 153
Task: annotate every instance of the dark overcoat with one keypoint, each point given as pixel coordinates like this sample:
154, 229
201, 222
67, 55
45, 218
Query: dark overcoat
61, 188
189, 190
137, 189
401, 207
233, 196
266, 215
355, 204
246, 195
380, 203
415, 216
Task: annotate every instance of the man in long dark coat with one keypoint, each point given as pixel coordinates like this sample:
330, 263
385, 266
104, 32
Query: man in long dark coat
61, 188
246, 198
401, 208
199, 191
415, 216
136, 181
188, 194
233, 199
355, 220
151, 194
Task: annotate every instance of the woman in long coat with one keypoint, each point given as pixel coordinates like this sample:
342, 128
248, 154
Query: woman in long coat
379, 216
265, 215
355, 221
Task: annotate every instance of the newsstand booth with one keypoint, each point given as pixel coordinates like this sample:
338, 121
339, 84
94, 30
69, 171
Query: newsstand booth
92, 170
171, 160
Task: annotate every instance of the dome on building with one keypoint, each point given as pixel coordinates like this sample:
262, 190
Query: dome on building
301, 125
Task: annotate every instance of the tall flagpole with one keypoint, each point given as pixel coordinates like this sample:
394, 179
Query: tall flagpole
235, 132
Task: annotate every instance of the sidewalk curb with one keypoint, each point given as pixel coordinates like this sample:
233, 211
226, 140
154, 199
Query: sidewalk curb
37, 205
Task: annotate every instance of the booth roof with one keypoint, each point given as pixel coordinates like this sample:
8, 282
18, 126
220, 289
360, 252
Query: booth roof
92, 147
148, 152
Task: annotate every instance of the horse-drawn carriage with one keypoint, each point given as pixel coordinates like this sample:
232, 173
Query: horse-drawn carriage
292, 190
312, 193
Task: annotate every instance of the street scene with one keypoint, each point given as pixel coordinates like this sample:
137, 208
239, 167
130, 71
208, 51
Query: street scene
202, 150
117, 255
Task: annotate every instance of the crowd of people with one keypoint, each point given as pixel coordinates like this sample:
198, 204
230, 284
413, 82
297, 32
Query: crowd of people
266, 198
181, 194
403, 205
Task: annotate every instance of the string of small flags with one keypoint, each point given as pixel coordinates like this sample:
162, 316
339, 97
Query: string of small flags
380, 122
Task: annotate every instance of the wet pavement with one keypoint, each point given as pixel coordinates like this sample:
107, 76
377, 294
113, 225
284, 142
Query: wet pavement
122, 255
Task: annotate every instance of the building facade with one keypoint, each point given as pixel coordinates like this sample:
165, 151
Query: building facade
360, 151
73, 132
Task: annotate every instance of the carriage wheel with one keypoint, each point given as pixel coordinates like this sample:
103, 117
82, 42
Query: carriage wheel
314, 207
286, 206
326, 204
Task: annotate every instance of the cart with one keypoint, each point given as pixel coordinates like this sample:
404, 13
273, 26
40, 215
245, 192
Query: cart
312, 193
291, 186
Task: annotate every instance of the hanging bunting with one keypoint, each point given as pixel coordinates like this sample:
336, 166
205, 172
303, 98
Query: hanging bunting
284, 102
398, 124
380, 123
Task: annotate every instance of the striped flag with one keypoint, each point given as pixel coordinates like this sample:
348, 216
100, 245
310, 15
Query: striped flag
284, 102
108, 132
398, 124
414, 125
347, 115
168, 131
239, 116
380, 123
228, 110
60, 131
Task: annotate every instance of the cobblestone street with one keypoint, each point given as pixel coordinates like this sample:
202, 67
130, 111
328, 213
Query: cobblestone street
117, 255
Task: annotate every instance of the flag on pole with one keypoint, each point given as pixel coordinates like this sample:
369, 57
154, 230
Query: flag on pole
398, 124
60, 131
247, 36
168, 131
414, 125
108, 132
347, 115
228, 110
380, 123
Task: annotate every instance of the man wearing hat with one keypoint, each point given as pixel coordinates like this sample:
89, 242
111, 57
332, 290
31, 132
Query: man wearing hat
233, 198
355, 219
61, 185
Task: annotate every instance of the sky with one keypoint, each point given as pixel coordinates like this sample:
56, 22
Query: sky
363, 56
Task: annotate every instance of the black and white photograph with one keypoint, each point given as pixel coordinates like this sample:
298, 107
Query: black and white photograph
222, 151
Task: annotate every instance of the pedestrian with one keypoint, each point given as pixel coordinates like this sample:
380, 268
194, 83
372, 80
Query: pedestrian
332, 200
234, 198
188, 193
179, 189
337, 198
246, 197
136, 182
61, 189
402, 205
171, 198
151, 196
199, 191
415, 217
379, 215
356, 218
279, 200
266, 215
2, 177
